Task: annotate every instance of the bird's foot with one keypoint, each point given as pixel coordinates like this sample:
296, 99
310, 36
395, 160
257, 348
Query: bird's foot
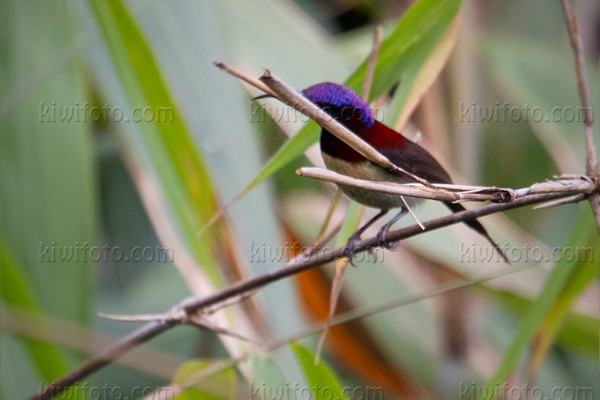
382, 239
350, 248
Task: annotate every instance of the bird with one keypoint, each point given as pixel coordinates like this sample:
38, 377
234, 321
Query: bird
349, 109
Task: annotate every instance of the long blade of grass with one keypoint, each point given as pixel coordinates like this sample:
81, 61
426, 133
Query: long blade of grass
537, 312
174, 159
17, 292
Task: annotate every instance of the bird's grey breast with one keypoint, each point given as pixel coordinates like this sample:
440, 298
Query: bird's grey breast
367, 170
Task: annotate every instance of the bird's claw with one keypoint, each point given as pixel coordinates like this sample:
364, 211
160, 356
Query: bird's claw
383, 242
349, 249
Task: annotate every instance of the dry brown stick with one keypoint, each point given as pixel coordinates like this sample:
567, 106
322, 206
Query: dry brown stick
455, 193
366, 89
294, 99
576, 198
246, 78
591, 162
445, 288
582, 87
298, 265
393, 188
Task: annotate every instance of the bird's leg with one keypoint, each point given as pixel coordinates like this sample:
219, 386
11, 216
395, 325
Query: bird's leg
381, 236
352, 240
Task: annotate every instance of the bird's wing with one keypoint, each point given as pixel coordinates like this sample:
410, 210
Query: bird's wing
405, 154
415, 159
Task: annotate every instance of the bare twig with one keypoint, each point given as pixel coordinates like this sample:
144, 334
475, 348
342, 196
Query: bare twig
567, 200
344, 318
591, 162
330, 210
583, 88
458, 193
366, 89
292, 98
83, 340
302, 263
200, 319
246, 78
411, 212
391, 187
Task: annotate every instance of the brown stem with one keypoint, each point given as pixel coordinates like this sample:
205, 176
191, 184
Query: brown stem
366, 89
591, 162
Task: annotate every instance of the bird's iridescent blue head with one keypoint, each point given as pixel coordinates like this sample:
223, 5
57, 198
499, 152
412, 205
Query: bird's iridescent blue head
340, 101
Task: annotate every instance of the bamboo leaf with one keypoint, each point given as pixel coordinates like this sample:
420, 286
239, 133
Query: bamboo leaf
220, 386
539, 309
47, 189
185, 189
321, 379
17, 292
585, 271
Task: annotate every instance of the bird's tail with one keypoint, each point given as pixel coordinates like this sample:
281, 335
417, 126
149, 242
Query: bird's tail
474, 224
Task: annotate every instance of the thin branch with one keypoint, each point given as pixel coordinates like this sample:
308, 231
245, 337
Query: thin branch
342, 319
457, 193
294, 99
246, 78
392, 187
302, 263
366, 89
411, 212
74, 337
576, 198
591, 162
330, 210
583, 88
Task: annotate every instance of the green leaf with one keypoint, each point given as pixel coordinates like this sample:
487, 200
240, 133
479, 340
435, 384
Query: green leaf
47, 184
178, 165
401, 55
220, 386
408, 45
577, 333
267, 377
186, 192
321, 379
519, 69
293, 148
17, 293
585, 271
539, 309
46, 158
419, 78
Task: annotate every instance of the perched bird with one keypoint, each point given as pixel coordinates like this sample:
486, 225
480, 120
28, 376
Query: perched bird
350, 110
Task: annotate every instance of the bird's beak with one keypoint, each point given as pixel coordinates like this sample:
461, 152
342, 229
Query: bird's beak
262, 96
